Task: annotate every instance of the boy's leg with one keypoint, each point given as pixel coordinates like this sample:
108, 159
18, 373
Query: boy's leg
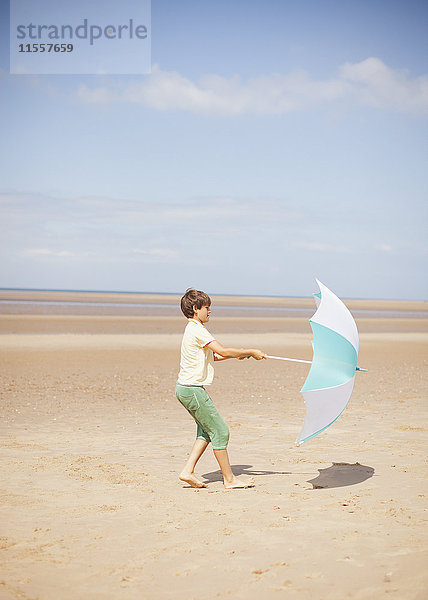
187, 474
231, 481
212, 425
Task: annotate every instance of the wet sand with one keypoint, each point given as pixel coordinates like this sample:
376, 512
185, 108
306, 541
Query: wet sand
92, 440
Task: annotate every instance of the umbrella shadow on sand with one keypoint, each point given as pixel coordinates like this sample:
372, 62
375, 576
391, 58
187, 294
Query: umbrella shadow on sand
341, 475
338, 475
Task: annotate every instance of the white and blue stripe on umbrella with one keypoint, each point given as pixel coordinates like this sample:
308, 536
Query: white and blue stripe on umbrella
330, 381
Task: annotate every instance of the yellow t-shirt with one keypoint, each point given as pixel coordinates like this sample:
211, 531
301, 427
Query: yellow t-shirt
197, 361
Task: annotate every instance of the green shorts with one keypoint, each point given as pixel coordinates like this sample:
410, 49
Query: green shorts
210, 425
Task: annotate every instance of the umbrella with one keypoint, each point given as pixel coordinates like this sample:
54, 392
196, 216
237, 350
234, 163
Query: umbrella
330, 381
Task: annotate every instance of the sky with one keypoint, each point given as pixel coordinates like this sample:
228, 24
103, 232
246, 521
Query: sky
274, 142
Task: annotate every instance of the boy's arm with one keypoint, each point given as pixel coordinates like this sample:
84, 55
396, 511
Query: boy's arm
217, 357
224, 353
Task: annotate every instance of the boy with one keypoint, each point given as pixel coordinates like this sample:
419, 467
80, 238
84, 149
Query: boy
199, 350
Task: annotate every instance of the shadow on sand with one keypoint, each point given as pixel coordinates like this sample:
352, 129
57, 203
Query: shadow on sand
338, 475
241, 470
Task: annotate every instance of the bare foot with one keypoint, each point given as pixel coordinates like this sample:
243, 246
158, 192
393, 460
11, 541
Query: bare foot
192, 480
239, 482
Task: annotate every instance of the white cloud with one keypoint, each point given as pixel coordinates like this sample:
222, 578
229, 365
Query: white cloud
321, 247
167, 254
36, 252
385, 248
96, 231
368, 83
252, 244
49, 230
86, 215
375, 84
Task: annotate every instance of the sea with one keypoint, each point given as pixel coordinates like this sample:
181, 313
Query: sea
107, 307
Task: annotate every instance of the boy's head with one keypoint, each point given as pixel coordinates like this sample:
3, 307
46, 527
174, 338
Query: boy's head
193, 298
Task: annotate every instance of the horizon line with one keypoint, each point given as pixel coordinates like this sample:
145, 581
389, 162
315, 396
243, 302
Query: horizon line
16, 289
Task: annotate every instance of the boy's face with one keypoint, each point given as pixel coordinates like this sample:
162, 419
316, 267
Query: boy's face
202, 314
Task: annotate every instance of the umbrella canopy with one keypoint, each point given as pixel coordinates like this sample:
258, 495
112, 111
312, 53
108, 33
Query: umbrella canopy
330, 381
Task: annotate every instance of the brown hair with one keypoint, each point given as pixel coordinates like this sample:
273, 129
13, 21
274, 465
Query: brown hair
193, 298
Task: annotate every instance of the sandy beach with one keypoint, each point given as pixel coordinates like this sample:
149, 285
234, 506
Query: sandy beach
92, 440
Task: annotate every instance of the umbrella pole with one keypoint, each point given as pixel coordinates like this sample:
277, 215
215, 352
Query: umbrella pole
309, 362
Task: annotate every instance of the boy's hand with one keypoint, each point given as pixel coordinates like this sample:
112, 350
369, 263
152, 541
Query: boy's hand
258, 354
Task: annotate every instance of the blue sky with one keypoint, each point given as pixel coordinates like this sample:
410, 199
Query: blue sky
273, 142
